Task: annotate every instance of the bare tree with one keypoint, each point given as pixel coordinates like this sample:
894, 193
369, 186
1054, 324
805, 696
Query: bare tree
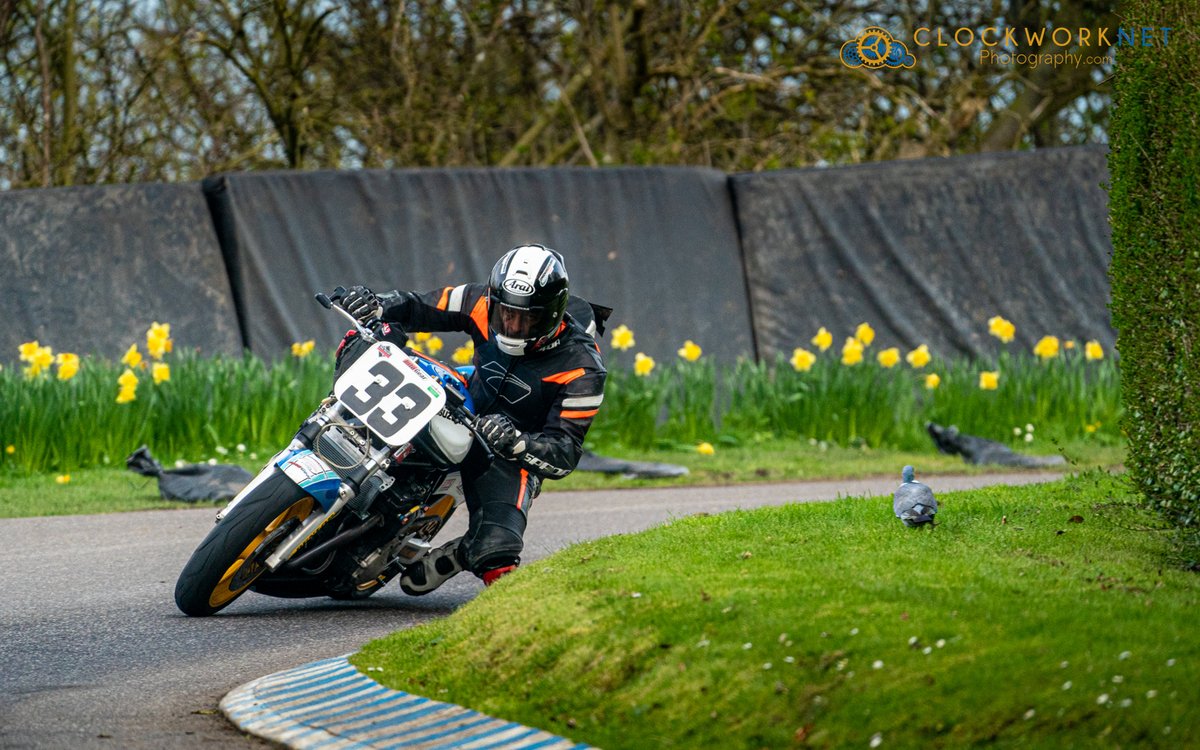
74, 79
113, 90
278, 48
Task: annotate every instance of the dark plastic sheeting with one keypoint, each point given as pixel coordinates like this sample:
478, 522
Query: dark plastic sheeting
927, 251
87, 269
657, 244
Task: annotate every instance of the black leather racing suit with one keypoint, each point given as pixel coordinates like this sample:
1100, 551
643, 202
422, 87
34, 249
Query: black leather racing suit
551, 395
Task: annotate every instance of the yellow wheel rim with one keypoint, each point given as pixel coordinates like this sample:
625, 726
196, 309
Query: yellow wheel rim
236, 580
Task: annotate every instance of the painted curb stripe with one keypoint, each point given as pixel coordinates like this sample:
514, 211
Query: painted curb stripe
330, 705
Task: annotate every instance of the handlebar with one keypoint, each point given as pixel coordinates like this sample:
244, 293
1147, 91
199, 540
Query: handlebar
327, 300
332, 302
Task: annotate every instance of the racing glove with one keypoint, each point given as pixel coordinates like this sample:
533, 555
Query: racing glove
502, 435
362, 303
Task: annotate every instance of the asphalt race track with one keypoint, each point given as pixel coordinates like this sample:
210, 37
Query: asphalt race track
94, 654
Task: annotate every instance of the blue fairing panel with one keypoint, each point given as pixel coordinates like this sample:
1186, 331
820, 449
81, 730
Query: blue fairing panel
449, 379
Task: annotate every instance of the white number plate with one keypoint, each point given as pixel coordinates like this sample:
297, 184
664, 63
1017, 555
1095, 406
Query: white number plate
388, 391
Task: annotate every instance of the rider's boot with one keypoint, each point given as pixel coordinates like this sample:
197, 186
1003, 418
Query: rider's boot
431, 571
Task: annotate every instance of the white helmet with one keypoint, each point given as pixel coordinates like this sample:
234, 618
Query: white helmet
527, 297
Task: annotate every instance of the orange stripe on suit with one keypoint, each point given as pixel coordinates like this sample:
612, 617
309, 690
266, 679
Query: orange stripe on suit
480, 316
562, 378
578, 414
521, 492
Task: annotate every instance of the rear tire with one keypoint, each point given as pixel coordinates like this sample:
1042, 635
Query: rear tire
231, 557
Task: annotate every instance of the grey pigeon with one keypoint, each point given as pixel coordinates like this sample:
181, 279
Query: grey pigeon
914, 502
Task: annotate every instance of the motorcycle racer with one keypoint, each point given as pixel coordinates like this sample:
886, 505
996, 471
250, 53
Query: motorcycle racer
538, 384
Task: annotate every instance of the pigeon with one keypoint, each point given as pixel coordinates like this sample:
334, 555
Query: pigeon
914, 502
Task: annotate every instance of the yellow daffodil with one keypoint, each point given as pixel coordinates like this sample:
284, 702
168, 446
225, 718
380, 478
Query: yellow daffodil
705, 449
158, 339
864, 333
1047, 347
39, 360
128, 379
803, 360
918, 357
823, 340
28, 349
852, 352
302, 349
128, 383
161, 372
422, 337
132, 357
690, 351
464, 354
63, 478
43, 357
434, 345
622, 337
1069, 344
416, 346
642, 364
888, 357
1093, 350
932, 380
10, 449
68, 365
1001, 328
989, 380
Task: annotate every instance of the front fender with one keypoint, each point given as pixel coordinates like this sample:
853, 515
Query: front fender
313, 475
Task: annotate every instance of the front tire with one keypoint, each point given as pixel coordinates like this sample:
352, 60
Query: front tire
231, 557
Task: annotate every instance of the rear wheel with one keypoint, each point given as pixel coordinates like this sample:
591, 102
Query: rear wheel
233, 554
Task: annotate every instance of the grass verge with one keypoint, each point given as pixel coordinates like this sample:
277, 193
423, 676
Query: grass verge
112, 489
1042, 616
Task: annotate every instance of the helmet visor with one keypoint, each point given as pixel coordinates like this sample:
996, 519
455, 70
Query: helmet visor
518, 322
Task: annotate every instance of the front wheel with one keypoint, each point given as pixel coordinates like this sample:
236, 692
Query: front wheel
233, 554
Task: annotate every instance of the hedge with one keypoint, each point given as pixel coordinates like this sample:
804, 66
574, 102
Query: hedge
1154, 203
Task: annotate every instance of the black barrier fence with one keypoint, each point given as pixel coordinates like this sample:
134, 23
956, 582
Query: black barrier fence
659, 245
88, 269
744, 265
927, 251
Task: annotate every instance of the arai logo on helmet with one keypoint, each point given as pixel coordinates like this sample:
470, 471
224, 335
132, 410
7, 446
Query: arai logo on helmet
518, 286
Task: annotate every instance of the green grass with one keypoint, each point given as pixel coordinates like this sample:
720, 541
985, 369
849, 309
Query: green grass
1009, 625
771, 459
1065, 399
218, 402
88, 491
109, 489
209, 402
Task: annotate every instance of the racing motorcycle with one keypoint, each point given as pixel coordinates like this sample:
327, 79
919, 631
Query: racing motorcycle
361, 491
